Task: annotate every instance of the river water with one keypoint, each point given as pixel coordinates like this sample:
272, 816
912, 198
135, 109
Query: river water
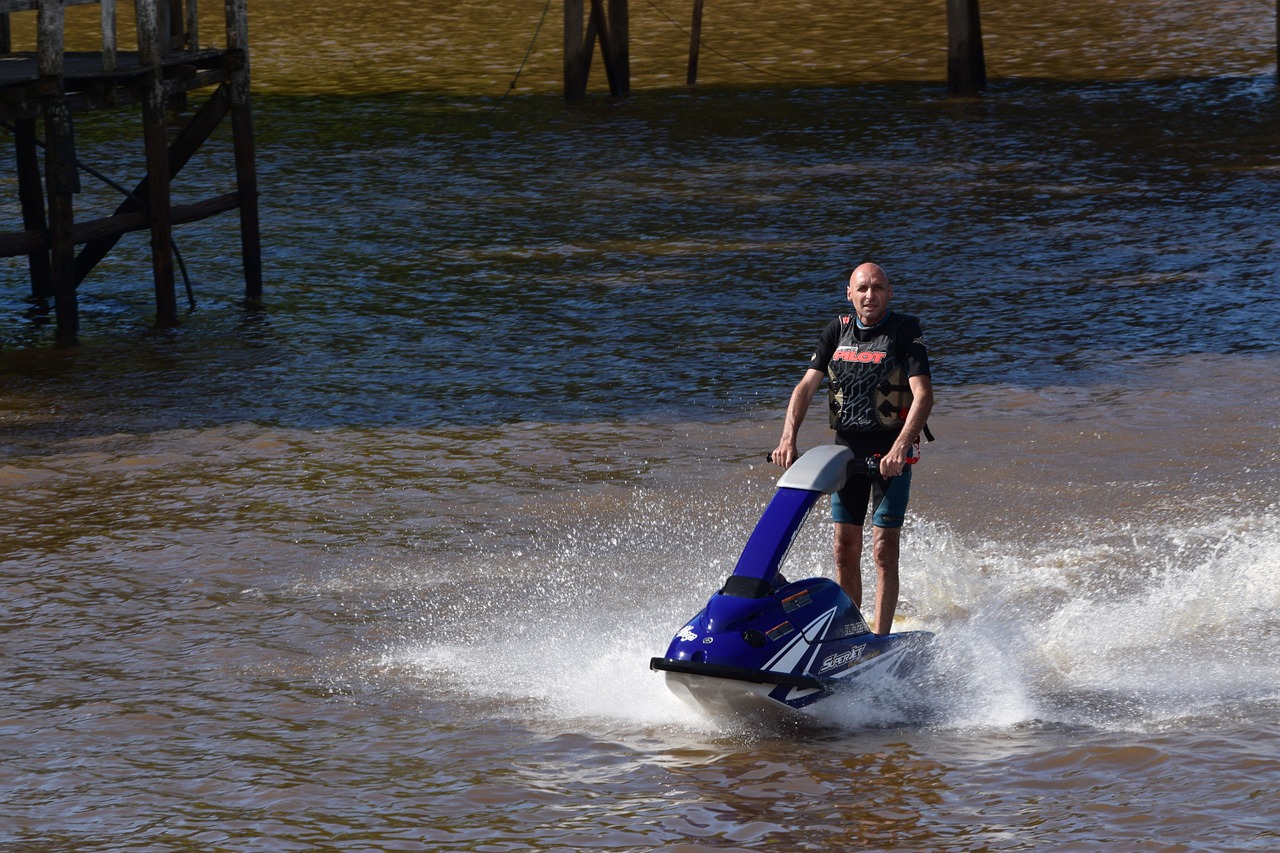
380, 566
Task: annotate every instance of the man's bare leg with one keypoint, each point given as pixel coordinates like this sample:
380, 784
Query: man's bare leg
884, 551
848, 554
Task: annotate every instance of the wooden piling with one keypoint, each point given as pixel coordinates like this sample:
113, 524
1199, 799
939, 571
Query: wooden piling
244, 147
966, 63
599, 25
246, 186
31, 198
159, 215
109, 35
62, 180
575, 69
62, 183
153, 46
611, 29
620, 47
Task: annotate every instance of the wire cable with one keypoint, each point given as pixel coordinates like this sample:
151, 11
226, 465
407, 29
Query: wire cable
527, 54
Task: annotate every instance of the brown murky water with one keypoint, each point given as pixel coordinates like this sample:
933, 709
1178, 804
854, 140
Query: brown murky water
381, 566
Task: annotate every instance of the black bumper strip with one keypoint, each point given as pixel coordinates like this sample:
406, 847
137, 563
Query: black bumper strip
738, 673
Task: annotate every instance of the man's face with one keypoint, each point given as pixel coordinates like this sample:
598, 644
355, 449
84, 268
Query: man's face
870, 294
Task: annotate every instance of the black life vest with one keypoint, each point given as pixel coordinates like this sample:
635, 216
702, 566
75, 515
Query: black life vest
868, 382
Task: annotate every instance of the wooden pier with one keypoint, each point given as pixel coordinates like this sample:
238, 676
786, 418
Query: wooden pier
46, 89
607, 22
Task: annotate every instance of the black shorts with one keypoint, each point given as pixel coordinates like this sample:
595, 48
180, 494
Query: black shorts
888, 499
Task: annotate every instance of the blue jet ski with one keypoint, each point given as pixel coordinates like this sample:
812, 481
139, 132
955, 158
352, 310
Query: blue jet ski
767, 648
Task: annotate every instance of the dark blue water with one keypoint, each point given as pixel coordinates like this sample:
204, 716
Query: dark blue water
433, 261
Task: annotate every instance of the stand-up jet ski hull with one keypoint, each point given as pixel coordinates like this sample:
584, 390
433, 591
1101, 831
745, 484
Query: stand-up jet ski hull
766, 648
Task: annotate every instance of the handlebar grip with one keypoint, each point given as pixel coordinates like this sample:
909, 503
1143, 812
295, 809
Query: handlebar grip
870, 463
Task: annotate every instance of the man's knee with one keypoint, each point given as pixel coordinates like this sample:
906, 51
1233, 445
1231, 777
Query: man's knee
885, 544
848, 541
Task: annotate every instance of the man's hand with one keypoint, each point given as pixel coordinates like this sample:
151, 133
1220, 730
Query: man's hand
892, 463
783, 455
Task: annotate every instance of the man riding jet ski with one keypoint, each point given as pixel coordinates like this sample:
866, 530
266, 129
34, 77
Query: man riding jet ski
766, 647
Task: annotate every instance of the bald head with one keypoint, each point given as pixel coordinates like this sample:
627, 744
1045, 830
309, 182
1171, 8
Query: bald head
869, 271
870, 293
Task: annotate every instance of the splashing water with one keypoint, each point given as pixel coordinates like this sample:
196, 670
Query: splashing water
1092, 634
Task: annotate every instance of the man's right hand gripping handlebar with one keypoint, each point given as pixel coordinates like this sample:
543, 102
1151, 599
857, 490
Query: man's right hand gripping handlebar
783, 455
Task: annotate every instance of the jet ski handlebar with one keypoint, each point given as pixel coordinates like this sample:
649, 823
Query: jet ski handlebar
824, 468
870, 463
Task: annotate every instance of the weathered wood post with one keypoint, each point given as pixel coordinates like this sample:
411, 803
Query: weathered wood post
31, 197
243, 144
193, 25
612, 30
575, 77
598, 26
695, 43
153, 42
620, 45
61, 175
109, 44
966, 64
